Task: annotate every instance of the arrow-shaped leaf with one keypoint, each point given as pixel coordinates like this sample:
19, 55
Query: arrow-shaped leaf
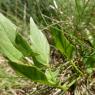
39, 44
30, 72
61, 42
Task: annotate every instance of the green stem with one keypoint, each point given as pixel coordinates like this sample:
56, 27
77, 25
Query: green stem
66, 86
73, 64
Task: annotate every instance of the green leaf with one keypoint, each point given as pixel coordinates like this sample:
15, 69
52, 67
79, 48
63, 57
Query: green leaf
61, 43
7, 48
51, 76
17, 40
8, 28
90, 63
7, 37
30, 72
39, 44
23, 46
12, 44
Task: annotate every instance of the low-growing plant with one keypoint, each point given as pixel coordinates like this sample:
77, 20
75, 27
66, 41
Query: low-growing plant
32, 58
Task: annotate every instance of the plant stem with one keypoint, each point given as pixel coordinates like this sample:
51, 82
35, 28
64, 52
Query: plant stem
73, 64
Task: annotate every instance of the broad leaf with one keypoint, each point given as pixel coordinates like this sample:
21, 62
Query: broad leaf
12, 44
39, 44
22, 45
61, 43
17, 40
7, 37
30, 72
90, 63
8, 28
7, 48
